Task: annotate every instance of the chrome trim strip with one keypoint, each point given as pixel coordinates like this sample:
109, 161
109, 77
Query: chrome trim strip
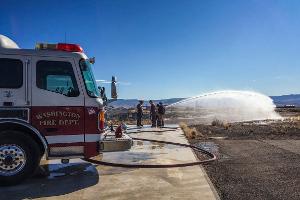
92, 137
66, 139
68, 150
57, 139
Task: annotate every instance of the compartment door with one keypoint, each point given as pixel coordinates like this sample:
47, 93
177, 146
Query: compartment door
14, 79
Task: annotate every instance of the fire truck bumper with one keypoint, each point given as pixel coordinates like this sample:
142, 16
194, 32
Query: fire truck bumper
110, 143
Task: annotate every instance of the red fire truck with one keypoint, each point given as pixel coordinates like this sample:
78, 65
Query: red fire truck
49, 106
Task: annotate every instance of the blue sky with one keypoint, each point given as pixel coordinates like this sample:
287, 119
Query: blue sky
171, 48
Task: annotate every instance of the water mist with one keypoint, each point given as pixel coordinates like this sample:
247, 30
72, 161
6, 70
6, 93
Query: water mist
227, 106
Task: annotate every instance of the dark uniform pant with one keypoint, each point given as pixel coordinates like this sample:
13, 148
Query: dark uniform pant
160, 120
153, 120
139, 120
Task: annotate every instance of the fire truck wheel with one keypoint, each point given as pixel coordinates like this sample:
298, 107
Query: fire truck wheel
19, 157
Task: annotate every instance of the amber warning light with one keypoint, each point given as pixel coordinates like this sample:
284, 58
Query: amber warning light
101, 120
59, 47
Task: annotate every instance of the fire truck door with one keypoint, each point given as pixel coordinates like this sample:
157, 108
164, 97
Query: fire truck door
14, 79
58, 104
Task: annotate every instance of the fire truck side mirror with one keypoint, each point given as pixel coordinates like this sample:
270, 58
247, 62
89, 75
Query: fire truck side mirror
102, 93
114, 94
92, 60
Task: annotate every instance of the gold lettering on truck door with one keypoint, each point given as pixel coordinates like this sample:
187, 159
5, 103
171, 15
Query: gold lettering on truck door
68, 118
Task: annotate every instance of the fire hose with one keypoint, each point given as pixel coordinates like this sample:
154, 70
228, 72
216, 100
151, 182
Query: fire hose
211, 156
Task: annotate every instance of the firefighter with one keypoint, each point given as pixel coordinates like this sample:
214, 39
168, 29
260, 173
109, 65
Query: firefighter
157, 117
139, 109
161, 112
153, 114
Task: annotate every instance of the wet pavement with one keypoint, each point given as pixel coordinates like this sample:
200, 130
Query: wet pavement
81, 180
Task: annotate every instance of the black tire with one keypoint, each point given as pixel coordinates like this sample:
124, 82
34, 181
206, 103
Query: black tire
32, 157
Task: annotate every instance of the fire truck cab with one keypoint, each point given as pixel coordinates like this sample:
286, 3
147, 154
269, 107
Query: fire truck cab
49, 105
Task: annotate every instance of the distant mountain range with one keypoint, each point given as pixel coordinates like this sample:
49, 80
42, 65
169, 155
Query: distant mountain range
292, 99
129, 103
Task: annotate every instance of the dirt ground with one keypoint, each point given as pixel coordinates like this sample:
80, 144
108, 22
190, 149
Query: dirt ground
256, 160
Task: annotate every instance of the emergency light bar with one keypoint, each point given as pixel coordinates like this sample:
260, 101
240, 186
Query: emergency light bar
59, 47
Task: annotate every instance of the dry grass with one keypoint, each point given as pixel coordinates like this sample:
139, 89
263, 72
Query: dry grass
217, 122
294, 118
226, 125
190, 133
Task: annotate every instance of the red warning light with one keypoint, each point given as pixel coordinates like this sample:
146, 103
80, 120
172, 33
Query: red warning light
69, 47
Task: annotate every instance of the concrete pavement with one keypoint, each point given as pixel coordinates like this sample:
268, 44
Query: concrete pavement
80, 180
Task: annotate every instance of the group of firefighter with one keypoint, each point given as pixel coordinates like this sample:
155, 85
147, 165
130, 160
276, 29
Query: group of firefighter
157, 113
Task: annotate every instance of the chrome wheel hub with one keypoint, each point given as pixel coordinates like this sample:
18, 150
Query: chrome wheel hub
12, 159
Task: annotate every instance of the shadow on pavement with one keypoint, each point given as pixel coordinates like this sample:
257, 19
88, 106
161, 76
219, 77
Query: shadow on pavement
62, 179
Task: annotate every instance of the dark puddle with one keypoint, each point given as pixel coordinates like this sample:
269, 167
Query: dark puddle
212, 148
137, 145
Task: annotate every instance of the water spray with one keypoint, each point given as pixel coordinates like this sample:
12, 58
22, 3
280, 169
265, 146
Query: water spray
227, 106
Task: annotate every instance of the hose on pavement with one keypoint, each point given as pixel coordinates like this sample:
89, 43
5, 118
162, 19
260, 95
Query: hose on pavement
211, 156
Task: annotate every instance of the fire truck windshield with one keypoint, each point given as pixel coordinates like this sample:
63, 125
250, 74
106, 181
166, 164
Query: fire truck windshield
88, 77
